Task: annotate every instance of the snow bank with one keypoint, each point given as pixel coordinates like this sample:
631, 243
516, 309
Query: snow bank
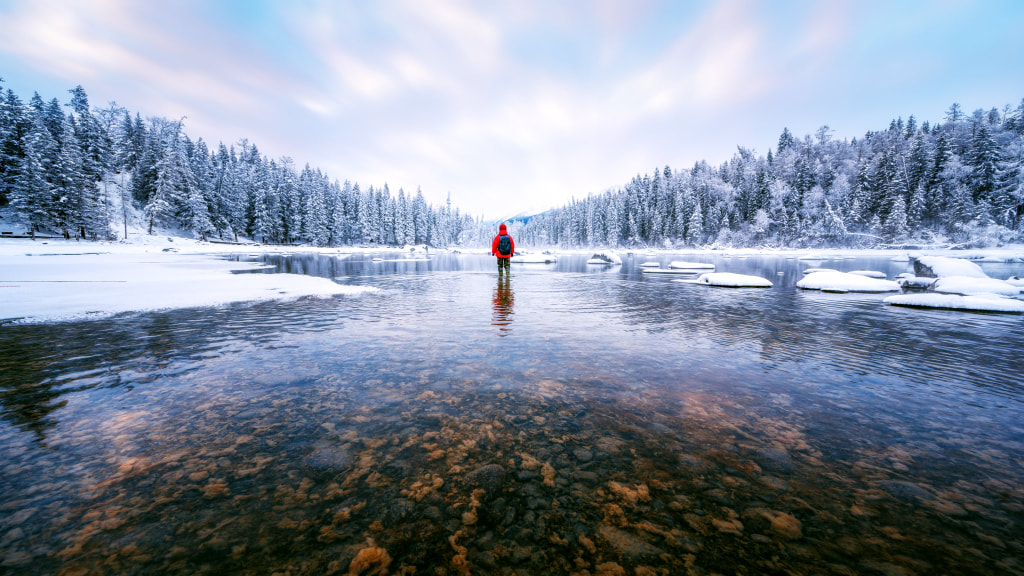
731, 280
1016, 281
844, 282
813, 270
691, 265
605, 257
62, 287
969, 285
650, 265
942, 266
977, 303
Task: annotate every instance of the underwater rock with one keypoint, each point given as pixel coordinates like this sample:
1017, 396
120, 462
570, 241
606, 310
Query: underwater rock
905, 491
396, 510
371, 561
488, 477
326, 460
583, 455
627, 544
775, 460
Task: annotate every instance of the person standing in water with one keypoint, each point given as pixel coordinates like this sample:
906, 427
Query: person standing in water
503, 247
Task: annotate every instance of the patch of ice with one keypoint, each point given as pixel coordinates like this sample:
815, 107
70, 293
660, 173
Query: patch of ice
812, 257
844, 282
731, 280
691, 265
869, 273
970, 285
1016, 281
813, 270
976, 303
651, 265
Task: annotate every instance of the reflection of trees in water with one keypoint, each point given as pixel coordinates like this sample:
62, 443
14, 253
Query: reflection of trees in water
42, 363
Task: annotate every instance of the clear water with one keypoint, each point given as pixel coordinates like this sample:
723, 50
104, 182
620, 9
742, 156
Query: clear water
568, 419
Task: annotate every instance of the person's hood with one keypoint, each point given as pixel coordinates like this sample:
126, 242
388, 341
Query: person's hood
502, 229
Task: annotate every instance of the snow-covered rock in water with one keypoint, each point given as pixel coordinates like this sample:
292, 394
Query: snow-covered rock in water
731, 280
844, 282
971, 285
939, 266
534, 258
605, 257
869, 273
669, 271
1016, 281
650, 265
978, 303
813, 270
918, 283
691, 265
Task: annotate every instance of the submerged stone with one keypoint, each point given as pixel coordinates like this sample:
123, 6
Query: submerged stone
905, 491
488, 477
775, 460
628, 544
327, 460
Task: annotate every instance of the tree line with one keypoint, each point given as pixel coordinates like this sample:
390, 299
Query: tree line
958, 181
61, 171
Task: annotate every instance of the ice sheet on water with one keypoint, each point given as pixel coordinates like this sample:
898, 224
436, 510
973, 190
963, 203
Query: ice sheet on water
869, 273
732, 280
978, 302
691, 265
845, 282
971, 285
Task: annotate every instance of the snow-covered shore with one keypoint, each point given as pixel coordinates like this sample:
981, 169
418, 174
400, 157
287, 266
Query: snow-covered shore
59, 280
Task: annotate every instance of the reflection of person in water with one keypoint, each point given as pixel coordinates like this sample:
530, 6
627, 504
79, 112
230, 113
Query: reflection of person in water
504, 298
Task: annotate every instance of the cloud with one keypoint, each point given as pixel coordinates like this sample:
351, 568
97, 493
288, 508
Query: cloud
533, 101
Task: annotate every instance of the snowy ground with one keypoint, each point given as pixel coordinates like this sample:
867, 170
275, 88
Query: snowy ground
57, 280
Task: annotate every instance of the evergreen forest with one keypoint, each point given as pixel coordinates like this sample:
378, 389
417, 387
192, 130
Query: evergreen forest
959, 182
72, 169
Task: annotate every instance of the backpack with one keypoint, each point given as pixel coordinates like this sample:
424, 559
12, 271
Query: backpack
504, 244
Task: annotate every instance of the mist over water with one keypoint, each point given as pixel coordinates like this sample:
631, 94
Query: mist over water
566, 419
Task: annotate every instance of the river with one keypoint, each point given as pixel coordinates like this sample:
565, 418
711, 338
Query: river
565, 419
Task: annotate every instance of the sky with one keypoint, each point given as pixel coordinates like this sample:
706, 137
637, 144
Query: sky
519, 106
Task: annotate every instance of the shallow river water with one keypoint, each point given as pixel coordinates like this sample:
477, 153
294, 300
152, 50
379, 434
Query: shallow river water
567, 419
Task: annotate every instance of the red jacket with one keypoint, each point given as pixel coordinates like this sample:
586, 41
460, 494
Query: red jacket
494, 244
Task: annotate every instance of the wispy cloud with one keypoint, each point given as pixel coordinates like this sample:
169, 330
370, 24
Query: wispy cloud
533, 101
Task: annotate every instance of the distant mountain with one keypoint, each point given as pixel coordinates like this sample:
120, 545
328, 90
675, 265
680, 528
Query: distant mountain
524, 217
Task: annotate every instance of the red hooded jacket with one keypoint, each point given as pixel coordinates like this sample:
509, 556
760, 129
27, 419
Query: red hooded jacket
494, 244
